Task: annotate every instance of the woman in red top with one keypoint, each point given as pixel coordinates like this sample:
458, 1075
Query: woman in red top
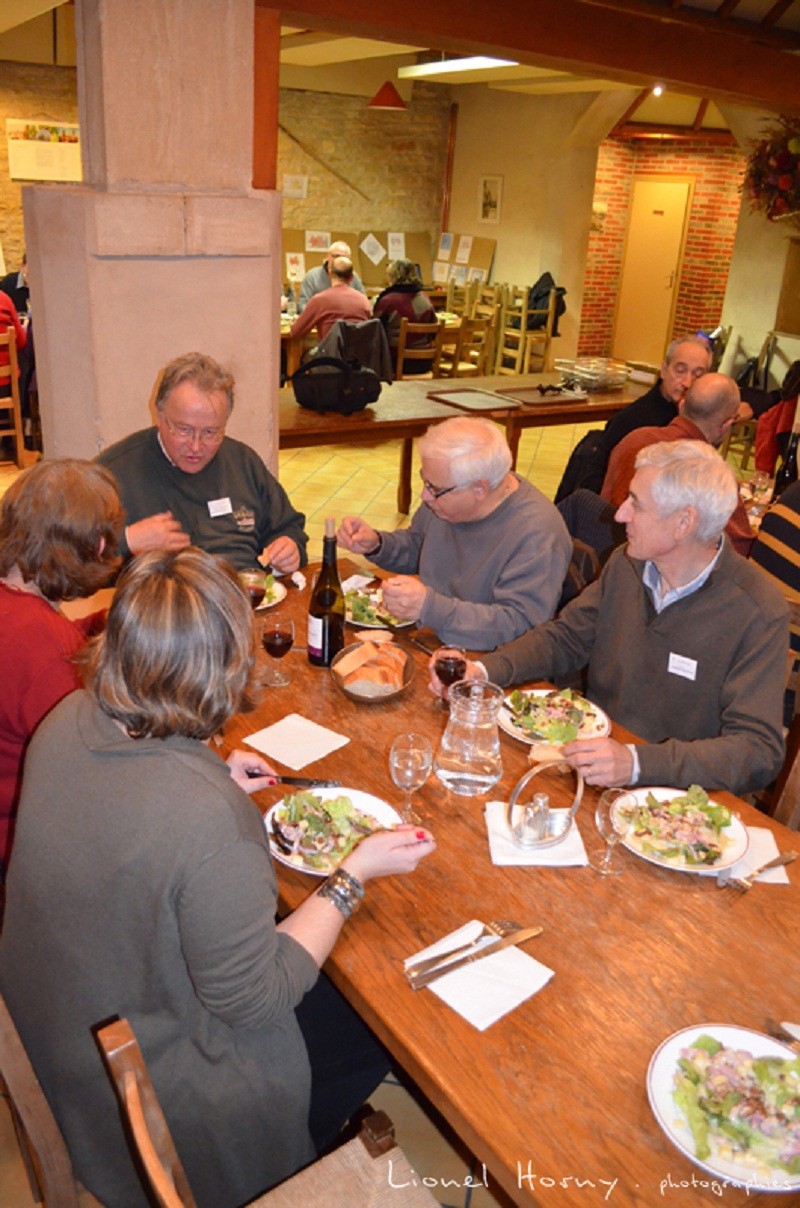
60, 525
10, 318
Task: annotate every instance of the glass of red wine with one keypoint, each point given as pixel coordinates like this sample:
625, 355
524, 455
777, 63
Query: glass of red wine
277, 638
450, 666
254, 585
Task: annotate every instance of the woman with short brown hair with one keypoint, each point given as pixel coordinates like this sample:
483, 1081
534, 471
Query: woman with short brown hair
60, 523
142, 886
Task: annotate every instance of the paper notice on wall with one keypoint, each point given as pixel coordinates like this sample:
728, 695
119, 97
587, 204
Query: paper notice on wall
476, 274
372, 248
458, 273
464, 249
43, 151
440, 272
318, 241
397, 245
295, 186
445, 246
295, 266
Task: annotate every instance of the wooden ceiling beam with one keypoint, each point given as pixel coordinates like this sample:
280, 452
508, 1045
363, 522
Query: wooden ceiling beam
690, 54
701, 113
702, 20
629, 112
726, 8
775, 13
678, 134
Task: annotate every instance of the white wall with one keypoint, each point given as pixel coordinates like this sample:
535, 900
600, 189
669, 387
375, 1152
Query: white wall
547, 187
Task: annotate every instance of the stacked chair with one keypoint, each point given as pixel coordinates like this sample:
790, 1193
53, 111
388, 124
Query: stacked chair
10, 408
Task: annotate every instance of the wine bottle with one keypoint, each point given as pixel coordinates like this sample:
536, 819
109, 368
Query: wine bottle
787, 474
326, 606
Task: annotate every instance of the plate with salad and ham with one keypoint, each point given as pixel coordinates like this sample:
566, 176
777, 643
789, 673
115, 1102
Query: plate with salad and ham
551, 716
729, 1099
687, 831
313, 831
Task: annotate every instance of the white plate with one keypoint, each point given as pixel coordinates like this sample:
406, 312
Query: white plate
365, 803
278, 594
375, 599
597, 728
660, 1081
737, 831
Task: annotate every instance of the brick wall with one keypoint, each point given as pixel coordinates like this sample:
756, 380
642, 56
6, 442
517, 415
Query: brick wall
387, 167
717, 173
43, 94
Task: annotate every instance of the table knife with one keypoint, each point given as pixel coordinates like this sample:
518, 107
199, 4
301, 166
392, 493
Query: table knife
508, 941
305, 782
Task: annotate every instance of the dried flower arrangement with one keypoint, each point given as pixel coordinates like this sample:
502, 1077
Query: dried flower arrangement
772, 179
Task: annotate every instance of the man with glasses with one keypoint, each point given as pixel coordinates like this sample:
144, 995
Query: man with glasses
184, 482
485, 556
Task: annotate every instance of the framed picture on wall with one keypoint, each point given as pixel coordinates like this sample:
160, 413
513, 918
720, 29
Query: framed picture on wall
490, 198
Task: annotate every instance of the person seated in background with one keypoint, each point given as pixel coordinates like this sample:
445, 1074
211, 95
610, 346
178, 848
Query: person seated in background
320, 278
60, 522
404, 298
184, 482
685, 360
9, 318
142, 885
776, 550
484, 557
705, 413
339, 301
15, 285
682, 640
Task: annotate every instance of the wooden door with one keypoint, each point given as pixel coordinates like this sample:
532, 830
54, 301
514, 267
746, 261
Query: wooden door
651, 267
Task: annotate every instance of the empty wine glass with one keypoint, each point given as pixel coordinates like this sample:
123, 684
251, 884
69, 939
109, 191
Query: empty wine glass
277, 638
410, 762
612, 826
450, 666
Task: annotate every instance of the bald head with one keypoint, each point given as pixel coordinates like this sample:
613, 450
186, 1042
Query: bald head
712, 402
341, 270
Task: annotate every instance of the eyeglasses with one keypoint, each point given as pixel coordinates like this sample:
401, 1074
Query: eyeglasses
204, 436
436, 492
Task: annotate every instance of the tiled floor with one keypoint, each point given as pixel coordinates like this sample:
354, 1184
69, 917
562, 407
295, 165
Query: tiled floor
363, 481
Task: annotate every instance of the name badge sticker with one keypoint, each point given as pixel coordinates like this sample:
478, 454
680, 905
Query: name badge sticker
680, 665
220, 507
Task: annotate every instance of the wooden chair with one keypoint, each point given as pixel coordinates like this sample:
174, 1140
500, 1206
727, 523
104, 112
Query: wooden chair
428, 354
493, 312
41, 1143
10, 407
459, 298
355, 1174
469, 356
538, 341
512, 331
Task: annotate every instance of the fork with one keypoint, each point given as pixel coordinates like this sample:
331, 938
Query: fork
742, 884
497, 927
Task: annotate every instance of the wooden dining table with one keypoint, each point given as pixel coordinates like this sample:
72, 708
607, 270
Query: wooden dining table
406, 409
552, 1098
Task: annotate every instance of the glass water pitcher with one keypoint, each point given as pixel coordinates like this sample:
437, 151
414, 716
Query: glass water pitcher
468, 759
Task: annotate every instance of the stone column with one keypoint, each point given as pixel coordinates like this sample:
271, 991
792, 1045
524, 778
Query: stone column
165, 248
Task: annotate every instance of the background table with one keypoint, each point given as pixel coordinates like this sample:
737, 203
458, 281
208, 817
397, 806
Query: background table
405, 411
556, 1089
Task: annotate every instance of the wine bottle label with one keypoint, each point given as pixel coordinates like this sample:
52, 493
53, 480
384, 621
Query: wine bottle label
316, 635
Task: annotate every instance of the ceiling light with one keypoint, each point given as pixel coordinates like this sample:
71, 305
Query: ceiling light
658, 89
387, 97
447, 66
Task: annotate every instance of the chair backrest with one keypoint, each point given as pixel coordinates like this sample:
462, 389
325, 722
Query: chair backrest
472, 346
590, 519
9, 396
537, 342
510, 342
583, 569
40, 1137
370, 1170
426, 349
142, 1110
459, 298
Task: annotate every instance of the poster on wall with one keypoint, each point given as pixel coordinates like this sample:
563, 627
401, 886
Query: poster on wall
441, 270
318, 241
490, 198
372, 248
445, 246
295, 266
43, 150
295, 186
397, 245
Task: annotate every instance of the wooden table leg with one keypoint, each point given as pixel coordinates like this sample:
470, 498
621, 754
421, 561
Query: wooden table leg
404, 483
513, 433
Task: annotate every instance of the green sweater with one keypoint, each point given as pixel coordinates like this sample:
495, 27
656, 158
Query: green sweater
721, 729
260, 509
142, 885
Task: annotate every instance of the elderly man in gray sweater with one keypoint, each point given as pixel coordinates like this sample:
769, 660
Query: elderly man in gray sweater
683, 641
485, 556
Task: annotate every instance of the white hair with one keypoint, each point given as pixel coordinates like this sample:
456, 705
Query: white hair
692, 474
475, 448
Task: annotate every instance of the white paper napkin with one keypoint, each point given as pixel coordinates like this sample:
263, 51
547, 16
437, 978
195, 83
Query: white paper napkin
486, 990
295, 741
761, 849
356, 582
503, 850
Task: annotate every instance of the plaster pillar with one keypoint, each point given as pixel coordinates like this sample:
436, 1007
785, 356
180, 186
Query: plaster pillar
165, 248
